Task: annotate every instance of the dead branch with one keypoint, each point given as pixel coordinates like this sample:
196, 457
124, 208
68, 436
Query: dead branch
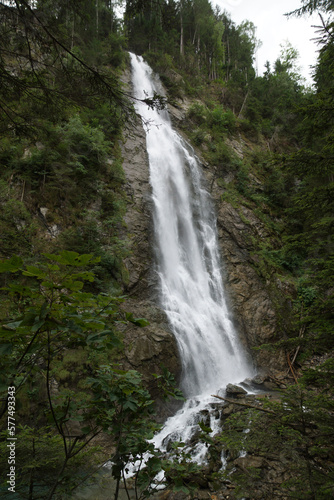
244, 404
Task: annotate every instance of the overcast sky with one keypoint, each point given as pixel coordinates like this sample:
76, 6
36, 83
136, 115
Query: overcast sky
273, 28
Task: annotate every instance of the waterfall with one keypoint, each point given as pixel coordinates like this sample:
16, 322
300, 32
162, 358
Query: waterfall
188, 262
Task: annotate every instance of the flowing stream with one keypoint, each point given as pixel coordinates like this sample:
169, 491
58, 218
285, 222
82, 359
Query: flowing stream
188, 265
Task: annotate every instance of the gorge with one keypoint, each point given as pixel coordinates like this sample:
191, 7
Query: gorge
166, 178
187, 259
250, 302
144, 252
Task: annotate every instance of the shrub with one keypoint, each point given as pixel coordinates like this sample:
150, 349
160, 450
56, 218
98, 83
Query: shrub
222, 156
221, 120
248, 127
198, 113
17, 228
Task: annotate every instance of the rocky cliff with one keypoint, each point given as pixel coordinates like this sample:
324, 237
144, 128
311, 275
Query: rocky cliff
152, 348
255, 302
252, 299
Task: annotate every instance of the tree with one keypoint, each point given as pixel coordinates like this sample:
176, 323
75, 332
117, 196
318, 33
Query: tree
310, 6
54, 317
287, 445
46, 61
38, 67
311, 228
57, 345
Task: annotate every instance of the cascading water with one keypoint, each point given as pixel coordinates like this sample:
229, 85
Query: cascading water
188, 263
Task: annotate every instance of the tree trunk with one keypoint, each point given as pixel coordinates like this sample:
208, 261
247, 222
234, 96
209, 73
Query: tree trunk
72, 35
181, 38
56, 483
97, 17
243, 105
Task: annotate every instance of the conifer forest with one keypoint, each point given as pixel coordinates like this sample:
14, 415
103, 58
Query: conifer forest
95, 365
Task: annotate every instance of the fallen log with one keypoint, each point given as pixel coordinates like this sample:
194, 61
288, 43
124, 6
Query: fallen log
232, 401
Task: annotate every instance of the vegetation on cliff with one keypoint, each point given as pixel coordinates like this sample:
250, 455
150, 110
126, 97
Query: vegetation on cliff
62, 115
285, 176
62, 202
289, 128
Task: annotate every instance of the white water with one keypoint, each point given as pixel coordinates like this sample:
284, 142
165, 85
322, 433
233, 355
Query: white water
188, 265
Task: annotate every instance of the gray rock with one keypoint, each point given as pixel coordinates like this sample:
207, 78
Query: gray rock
253, 300
150, 348
232, 389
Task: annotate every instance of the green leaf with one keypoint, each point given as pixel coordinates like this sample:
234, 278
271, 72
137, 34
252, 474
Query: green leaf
130, 405
16, 289
69, 258
44, 310
141, 322
204, 428
34, 271
12, 326
75, 286
85, 430
178, 444
114, 342
85, 275
98, 337
6, 349
11, 265
53, 267
136, 321
29, 318
36, 326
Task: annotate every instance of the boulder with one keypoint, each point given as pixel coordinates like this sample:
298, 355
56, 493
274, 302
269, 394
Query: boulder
233, 390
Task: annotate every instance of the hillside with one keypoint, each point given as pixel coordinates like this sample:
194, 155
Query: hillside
85, 345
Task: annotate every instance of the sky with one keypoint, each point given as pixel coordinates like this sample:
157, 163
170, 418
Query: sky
273, 29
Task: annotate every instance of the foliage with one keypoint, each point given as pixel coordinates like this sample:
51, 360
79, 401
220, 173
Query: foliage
41, 65
62, 116
58, 346
222, 120
310, 6
203, 43
295, 434
275, 98
69, 168
309, 215
16, 225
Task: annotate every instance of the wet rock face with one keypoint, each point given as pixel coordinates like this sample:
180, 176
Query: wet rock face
251, 301
138, 214
153, 347
264, 473
234, 390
